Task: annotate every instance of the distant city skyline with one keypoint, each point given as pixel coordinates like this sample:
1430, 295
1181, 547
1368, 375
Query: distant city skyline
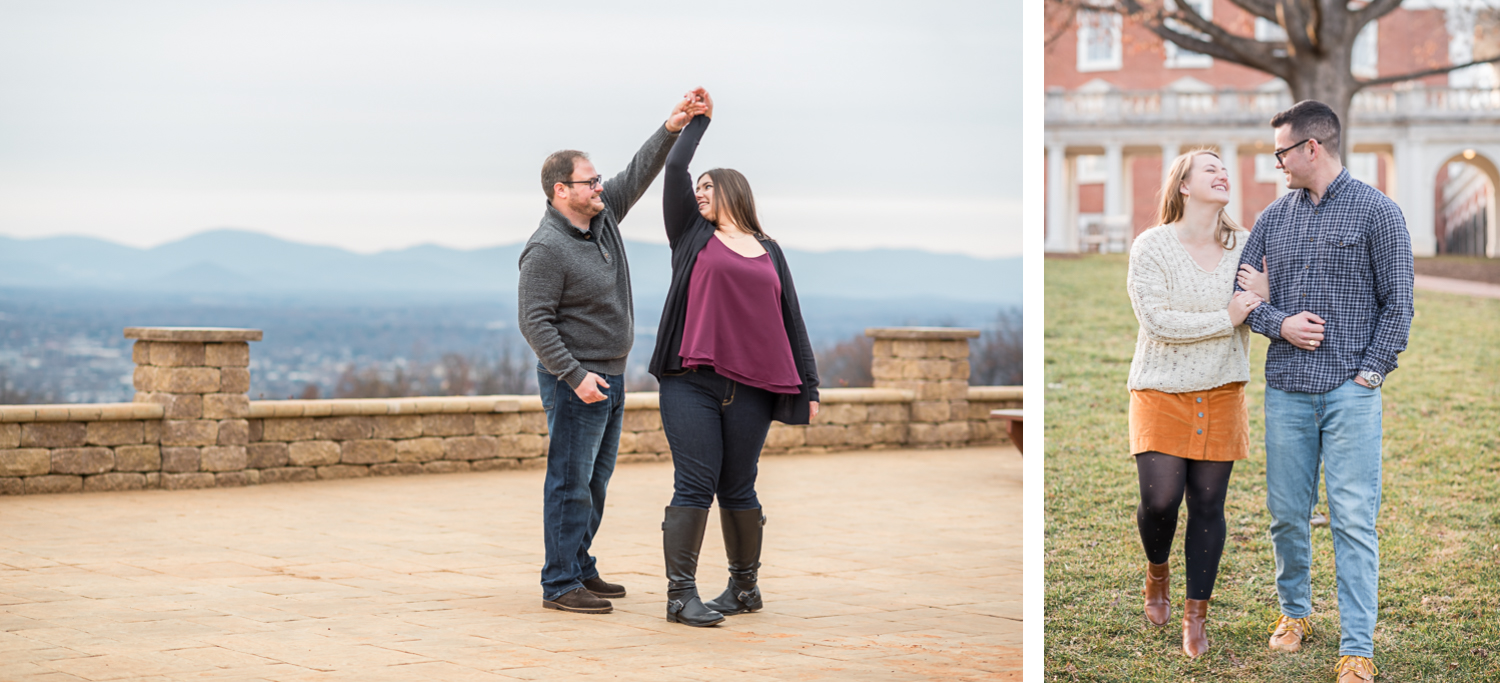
381, 126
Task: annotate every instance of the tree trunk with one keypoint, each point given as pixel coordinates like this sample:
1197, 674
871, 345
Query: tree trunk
1328, 81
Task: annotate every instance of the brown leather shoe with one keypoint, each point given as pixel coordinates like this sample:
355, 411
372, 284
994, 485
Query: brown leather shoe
604, 589
1158, 585
1287, 633
1352, 669
579, 600
1194, 614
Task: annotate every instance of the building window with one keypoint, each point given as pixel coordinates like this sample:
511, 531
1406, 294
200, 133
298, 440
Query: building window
1265, 169
1091, 169
1179, 58
1099, 41
1365, 167
1364, 58
1267, 31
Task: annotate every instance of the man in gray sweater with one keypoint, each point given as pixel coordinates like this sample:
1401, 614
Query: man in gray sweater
575, 311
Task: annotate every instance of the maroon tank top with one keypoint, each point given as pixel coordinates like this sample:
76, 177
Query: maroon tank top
733, 321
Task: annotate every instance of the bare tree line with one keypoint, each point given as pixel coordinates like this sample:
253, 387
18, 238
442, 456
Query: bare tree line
505, 371
994, 358
15, 393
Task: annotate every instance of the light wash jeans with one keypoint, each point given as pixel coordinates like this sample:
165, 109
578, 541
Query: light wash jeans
1340, 428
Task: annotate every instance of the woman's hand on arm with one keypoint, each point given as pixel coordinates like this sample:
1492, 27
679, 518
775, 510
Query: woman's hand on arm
1257, 281
1241, 305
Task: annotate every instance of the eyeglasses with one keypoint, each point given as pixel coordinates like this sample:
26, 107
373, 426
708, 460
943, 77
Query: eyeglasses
594, 183
1282, 152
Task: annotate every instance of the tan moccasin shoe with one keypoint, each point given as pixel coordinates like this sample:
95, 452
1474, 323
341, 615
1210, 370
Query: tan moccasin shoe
1287, 633
1352, 669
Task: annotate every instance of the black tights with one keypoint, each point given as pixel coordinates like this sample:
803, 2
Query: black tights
1164, 478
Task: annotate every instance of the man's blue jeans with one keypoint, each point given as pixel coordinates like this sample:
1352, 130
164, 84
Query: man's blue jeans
1342, 429
584, 439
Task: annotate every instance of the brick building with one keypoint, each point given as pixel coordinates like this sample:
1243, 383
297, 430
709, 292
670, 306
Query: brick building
1120, 100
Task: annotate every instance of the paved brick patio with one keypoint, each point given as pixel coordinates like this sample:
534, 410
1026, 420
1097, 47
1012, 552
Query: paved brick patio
883, 565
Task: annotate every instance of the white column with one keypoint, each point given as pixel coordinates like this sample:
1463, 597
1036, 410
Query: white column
1492, 240
1061, 233
1114, 166
1414, 192
1169, 152
1229, 153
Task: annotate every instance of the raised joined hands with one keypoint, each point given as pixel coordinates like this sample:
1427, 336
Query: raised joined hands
695, 102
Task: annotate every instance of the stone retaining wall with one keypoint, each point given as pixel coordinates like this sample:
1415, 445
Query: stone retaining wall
193, 427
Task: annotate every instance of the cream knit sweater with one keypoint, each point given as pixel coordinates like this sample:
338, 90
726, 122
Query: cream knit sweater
1186, 342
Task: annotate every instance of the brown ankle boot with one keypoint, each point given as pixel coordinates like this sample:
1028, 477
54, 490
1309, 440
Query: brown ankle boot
1194, 640
1158, 586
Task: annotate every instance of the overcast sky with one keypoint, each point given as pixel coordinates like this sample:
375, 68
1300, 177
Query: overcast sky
380, 125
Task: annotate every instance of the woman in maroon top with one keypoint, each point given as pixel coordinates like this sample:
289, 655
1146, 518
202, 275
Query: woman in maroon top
731, 354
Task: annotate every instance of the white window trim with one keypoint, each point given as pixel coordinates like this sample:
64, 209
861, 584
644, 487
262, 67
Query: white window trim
1267, 31
1087, 21
1180, 58
1265, 169
1364, 167
1369, 35
1089, 169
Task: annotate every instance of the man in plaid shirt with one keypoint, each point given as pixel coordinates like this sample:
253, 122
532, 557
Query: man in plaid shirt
1338, 290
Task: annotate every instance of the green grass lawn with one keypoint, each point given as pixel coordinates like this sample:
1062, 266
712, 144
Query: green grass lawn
1439, 519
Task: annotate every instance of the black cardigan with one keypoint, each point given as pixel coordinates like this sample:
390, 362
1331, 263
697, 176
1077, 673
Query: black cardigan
687, 233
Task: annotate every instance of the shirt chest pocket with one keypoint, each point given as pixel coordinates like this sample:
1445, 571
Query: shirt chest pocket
1346, 247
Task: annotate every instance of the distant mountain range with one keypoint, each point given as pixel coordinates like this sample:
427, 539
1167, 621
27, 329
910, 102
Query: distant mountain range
242, 262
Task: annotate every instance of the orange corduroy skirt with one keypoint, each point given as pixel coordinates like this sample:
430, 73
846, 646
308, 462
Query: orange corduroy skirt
1196, 425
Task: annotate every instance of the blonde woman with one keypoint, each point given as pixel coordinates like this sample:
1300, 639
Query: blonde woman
1188, 419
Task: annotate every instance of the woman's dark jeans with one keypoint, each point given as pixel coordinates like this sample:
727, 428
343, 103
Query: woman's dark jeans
716, 428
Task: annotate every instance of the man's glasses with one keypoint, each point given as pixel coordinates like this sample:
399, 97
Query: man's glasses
594, 183
1281, 152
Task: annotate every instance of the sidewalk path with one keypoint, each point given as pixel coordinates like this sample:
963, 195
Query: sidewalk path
1451, 286
883, 565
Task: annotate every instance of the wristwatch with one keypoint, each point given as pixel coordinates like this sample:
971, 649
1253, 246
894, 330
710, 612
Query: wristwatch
1372, 378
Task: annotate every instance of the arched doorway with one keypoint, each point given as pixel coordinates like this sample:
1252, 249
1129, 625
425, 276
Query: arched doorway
1464, 218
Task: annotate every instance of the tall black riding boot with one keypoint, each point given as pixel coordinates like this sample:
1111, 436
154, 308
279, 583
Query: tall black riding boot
681, 538
742, 540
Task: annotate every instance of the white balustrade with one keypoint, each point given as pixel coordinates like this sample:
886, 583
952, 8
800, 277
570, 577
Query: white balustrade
1379, 105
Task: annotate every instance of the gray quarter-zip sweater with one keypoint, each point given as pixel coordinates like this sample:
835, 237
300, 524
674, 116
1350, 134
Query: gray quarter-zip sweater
574, 304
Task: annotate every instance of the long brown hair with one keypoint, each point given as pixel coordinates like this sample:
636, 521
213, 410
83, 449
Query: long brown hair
1171, 205
733, 199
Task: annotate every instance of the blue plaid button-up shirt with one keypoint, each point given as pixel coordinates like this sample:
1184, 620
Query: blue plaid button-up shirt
1348, 260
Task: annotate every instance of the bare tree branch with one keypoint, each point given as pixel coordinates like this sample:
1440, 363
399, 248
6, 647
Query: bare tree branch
1063, 14
1247, 51
1386, 80
1375, 10
1301, 29
1260, 8
1221, 44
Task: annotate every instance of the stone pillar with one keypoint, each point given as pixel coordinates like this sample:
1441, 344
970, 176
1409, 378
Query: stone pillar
1061, 229
1415, 188
933, 363
1169, 152
1114, 180
1229, 153
201, 377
